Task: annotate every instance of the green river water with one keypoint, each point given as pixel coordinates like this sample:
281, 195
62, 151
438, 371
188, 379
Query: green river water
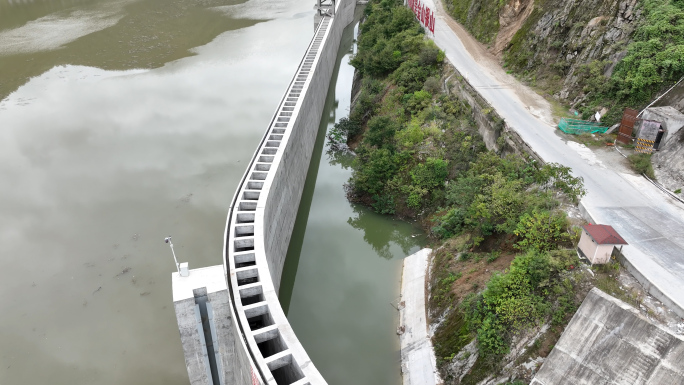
341, 277
125, 121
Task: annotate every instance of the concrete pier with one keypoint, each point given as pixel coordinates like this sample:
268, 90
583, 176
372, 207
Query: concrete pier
214, 352
418, 364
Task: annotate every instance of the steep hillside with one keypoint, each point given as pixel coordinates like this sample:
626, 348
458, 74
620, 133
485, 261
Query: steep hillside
589, 54
504, 280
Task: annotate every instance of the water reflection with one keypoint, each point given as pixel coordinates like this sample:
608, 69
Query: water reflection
380, 232
339, 157
342, 270
112, 35
98, 166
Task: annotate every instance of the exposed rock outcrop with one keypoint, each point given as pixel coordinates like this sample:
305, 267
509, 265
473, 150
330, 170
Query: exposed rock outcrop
511, 18
674, 98
668, 164
565, 47
559, 39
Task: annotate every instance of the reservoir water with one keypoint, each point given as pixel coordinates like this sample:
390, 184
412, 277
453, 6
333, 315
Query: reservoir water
125, 121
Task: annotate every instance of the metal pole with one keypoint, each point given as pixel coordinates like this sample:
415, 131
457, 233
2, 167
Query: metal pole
660, 97
168, 240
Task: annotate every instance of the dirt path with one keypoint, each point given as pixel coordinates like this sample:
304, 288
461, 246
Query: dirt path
535, 103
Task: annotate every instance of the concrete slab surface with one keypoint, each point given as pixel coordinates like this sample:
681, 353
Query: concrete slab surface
608, 342
211, 277
418, 364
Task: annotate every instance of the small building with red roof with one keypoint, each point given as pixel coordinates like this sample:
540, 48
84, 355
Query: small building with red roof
597, 242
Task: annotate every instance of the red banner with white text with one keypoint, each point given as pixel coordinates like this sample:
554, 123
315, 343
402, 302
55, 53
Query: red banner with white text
424, 14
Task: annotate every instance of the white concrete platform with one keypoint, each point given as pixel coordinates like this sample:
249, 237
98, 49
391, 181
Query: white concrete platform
211, 277
418, 364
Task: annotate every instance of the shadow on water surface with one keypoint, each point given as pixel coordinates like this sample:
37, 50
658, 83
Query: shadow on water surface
296, 242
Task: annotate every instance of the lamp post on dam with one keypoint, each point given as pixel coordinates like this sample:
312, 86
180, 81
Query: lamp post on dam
182, 268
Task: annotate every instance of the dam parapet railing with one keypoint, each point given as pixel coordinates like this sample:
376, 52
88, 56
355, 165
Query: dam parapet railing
263, 211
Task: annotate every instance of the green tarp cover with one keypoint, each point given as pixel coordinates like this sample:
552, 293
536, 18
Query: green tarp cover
577, 126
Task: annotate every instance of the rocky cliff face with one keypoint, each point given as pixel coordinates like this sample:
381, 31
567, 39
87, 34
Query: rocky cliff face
564, 44
668, 163
512, 16
674, 98
565, 47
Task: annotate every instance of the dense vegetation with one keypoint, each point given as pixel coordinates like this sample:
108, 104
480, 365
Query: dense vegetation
650, 60
508, 195
418, 155
654, 59
419, 149
480, 17
489, 301
533, 290
415, 137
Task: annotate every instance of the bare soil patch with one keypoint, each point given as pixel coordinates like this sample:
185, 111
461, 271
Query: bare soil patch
513, 16
477, 272
533, 102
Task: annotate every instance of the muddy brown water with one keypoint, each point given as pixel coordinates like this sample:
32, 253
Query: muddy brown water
122, 122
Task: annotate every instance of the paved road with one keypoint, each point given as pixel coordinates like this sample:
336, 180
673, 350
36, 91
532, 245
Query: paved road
650, 221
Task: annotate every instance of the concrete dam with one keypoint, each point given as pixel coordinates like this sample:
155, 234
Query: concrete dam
233, 329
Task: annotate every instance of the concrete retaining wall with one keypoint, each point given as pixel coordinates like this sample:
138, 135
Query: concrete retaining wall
607, 342
491, 126
264, 208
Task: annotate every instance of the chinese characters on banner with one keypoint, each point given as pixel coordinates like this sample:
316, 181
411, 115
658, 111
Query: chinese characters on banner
255, 380
424, 14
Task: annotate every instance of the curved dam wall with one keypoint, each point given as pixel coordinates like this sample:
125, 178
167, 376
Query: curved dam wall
263, 212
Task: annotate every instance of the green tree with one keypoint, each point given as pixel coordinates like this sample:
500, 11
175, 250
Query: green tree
541, 231
372, 176
431, 174
380, 133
